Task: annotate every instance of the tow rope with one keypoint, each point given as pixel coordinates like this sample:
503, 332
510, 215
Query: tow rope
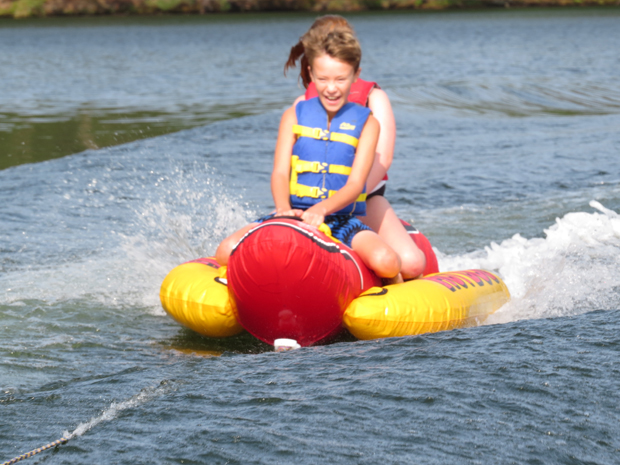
36, 451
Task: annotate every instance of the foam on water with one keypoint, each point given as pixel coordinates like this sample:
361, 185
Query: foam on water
574, 269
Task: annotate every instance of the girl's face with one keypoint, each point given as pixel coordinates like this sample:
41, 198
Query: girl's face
333, 79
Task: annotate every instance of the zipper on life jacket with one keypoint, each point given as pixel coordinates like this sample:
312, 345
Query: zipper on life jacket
327, 125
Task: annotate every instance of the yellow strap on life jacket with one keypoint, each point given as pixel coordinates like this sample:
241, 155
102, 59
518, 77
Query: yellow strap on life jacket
344, 138
320, 134
303, 166
340, 169
360, 198
301, 190
314, 133
293, 183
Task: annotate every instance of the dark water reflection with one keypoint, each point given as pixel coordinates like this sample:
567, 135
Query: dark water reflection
44, 137
76, 84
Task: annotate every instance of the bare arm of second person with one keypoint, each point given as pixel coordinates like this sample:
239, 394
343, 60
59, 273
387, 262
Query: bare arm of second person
379, 103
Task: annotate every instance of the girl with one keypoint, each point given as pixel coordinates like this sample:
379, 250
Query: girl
324, 154
379, 214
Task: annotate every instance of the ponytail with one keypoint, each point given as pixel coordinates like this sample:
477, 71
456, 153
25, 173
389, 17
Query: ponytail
298, 53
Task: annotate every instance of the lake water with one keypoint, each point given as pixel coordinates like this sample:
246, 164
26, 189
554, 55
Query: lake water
507, 158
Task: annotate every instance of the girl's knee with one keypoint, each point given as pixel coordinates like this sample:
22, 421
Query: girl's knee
223, 251
222, 254
413, 263
385, 262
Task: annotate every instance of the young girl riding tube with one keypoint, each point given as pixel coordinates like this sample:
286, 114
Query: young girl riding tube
324, 154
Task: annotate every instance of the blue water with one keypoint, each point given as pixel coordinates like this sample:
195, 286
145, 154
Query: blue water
508, 159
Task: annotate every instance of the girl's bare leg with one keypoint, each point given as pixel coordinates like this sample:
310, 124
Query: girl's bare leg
376, 254
225, 248
380, 216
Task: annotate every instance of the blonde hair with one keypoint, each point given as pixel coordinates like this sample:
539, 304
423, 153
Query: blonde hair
331, 35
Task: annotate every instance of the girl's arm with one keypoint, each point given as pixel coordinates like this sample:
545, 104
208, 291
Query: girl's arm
364, 156
280, 176
379, 103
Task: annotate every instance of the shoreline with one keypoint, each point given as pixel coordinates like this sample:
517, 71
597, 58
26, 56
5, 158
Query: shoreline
71, 8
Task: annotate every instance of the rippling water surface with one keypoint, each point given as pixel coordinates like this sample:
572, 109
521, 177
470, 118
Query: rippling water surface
508, 158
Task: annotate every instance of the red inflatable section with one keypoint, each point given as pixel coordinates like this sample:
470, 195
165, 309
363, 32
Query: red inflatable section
291, 281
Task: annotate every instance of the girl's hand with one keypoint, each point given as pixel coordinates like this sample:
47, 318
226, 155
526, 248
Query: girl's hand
290, 212
314, 216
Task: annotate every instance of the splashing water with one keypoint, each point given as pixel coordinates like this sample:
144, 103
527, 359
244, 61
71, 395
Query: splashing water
574, 269
122, 262
145, 395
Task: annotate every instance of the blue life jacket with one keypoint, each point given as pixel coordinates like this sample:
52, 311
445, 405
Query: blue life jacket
322, 159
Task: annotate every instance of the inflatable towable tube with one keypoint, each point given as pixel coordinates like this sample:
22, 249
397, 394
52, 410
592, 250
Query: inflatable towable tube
286, 279
291, 281
196, 295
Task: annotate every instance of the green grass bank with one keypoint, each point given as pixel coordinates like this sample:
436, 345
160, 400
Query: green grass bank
38, 8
